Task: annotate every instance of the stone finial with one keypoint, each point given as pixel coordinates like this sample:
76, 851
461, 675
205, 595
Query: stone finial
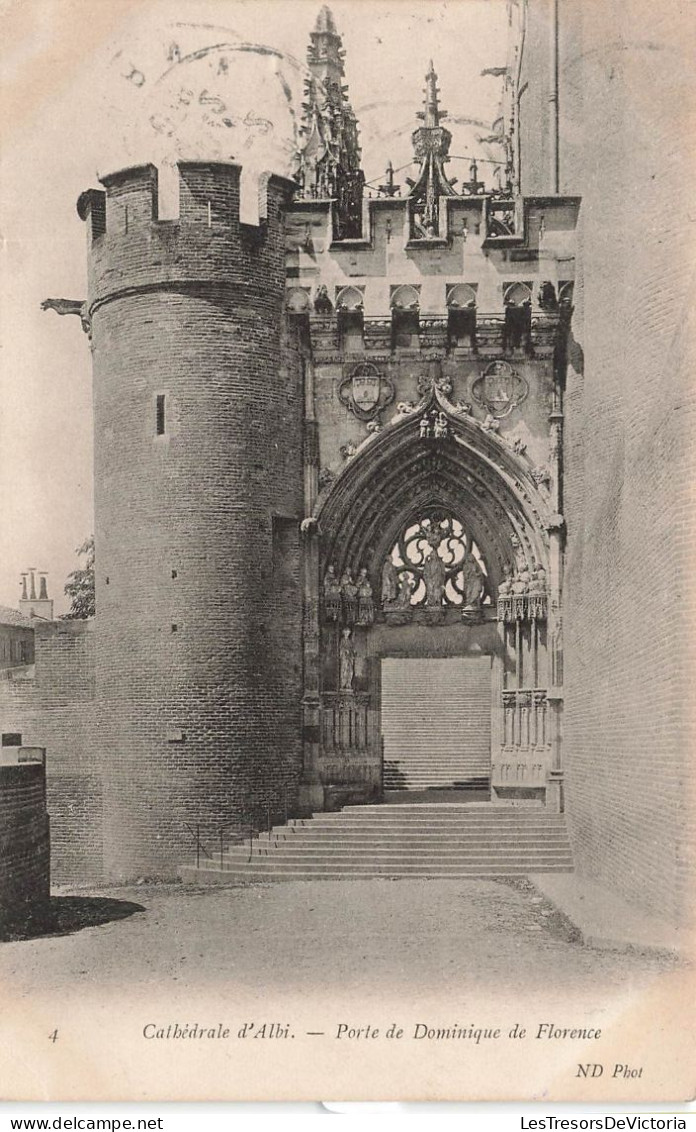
432, 115
325, 25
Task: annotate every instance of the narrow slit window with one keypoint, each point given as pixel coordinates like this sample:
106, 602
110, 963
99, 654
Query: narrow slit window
160, 415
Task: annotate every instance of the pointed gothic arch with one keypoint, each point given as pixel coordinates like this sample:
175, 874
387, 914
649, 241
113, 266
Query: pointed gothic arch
399, 474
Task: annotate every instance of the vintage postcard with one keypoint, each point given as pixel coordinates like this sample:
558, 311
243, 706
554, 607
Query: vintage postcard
345, 619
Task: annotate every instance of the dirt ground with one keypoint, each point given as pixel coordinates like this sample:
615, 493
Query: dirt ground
358, 934
322, 973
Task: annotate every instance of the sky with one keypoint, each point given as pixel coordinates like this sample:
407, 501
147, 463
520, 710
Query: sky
87, 87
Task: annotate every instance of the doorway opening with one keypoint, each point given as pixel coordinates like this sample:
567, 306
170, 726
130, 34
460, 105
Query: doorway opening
436, 728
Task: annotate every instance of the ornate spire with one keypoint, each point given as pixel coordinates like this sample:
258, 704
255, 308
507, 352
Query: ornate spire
330, 153
431, 143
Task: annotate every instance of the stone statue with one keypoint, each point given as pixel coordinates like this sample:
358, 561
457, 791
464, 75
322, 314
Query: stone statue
537, 584
406, 588
424, 428
366, 608
520, 583
547, 296
440, 425
472, 582
505, 587
349, 594
326, 478
346, 662
322, 302
390, 582
332, 595
419, 229
434, 576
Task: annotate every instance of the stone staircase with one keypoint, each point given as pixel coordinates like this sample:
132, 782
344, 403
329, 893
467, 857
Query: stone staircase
440, 774
436, 723
426, 840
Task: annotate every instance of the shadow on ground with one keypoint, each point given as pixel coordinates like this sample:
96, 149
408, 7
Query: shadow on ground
68, 914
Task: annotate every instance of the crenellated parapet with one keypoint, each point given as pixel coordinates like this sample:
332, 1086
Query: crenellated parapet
463, 295
132, 246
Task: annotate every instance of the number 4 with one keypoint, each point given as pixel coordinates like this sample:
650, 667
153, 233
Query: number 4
52, 1037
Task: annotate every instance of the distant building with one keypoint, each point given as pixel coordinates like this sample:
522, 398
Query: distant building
16, 639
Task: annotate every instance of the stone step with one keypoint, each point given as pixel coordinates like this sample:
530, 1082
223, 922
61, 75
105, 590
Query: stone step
394, 847
207, 874
432, 777
476, 768
423, 832
444, 767
444, 828
448, 773
431, 782
400, 861
435, 816
436, 809
434, 822
406, 841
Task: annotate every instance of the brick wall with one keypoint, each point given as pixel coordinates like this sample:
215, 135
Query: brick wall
627, 117
24, 842
55, 710
197, 655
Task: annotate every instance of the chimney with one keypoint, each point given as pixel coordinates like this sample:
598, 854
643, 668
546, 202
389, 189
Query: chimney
33, 606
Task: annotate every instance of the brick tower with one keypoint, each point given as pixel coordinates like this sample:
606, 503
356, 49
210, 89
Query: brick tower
198, 495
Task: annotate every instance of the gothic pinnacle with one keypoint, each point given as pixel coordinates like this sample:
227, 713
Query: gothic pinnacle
325, 24
432, 115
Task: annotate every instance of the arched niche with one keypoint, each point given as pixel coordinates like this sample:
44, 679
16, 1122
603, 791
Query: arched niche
405, 298
517, 294
349, 299
297, 300
461, 296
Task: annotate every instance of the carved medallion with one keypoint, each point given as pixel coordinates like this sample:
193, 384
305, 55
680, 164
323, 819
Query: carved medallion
366, 391
500, 389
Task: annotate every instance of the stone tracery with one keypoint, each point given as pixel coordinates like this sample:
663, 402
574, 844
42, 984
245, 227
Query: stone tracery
443, 563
